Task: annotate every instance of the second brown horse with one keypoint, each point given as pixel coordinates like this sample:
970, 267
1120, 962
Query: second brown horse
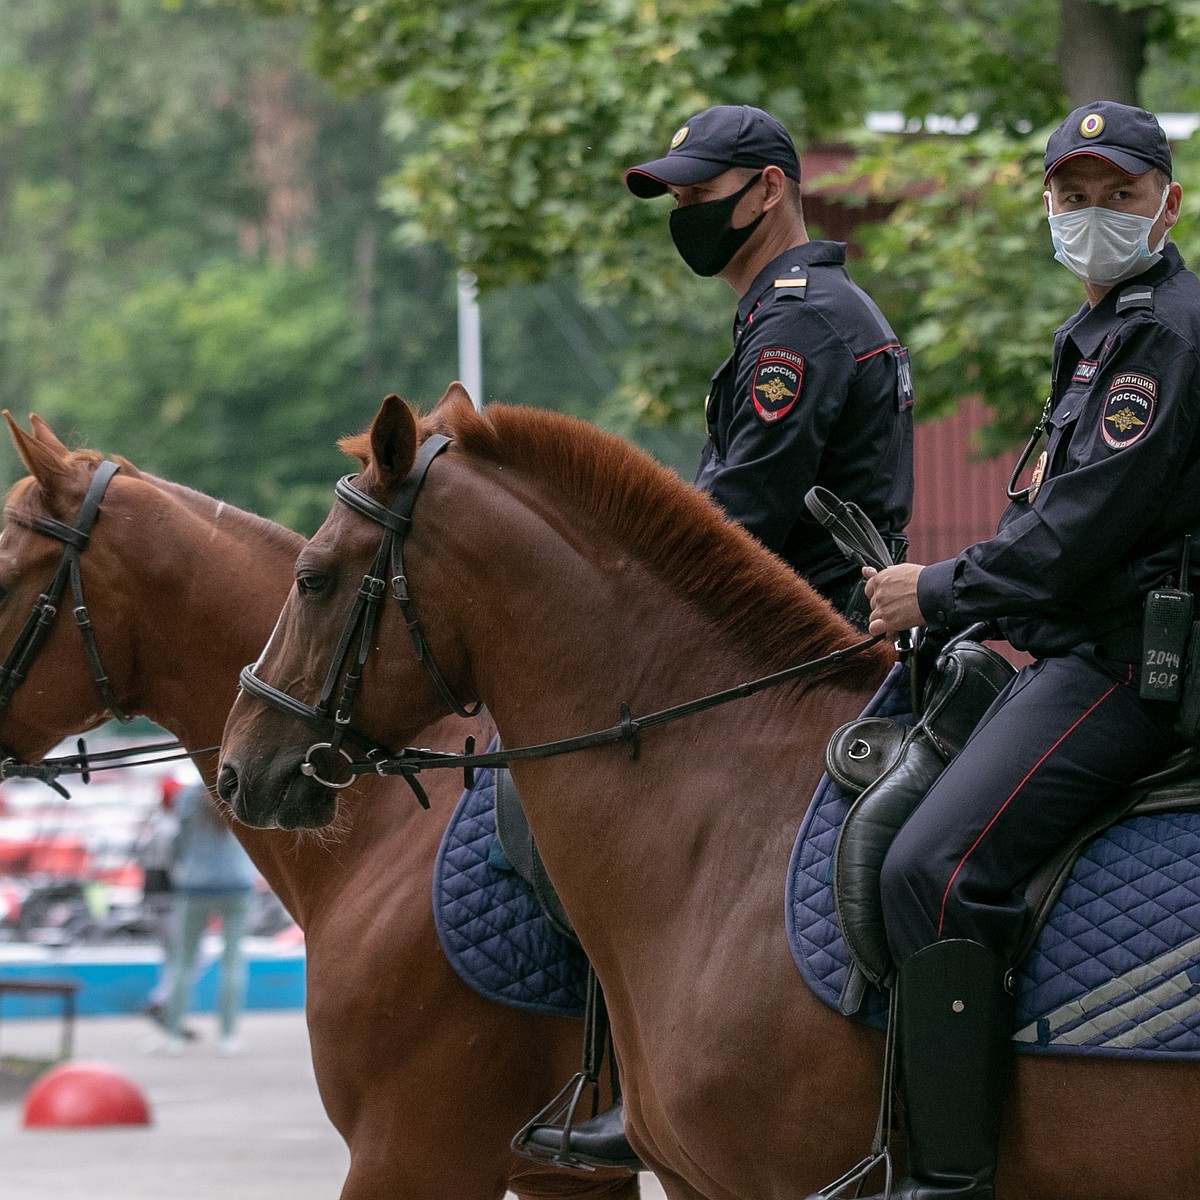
425, 1080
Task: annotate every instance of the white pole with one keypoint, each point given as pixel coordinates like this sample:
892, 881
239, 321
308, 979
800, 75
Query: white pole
470, 353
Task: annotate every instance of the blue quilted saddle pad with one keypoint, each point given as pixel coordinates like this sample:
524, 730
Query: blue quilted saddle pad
1116, 969
490, 924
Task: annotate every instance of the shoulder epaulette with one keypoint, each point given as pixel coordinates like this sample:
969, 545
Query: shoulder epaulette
1135, 297
791, 285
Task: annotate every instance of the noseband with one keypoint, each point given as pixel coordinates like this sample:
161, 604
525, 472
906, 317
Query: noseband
396, 521
37, 628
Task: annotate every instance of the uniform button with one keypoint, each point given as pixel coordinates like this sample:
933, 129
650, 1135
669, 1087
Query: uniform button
941, 614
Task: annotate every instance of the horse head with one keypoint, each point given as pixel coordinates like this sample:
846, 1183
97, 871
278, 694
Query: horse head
346, 582
100, 614
48, 683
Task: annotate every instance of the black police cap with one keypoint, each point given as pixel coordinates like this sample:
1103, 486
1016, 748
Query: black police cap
726, 136
1130, 138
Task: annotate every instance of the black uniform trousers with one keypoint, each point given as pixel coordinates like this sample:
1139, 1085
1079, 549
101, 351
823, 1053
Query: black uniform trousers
1058, 744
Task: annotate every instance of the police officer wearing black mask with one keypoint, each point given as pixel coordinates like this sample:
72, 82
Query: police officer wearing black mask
1101, 522
817, 390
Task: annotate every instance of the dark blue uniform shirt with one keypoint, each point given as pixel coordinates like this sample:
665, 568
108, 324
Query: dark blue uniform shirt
1119, 482
816, 391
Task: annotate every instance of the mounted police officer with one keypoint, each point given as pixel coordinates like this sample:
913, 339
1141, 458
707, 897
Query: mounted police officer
817, 390
1102, 523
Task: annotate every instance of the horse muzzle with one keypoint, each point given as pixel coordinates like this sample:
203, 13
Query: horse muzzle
278, 797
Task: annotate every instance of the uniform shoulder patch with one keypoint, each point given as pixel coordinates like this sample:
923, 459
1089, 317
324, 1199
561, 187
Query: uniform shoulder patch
775, 388
1129, 409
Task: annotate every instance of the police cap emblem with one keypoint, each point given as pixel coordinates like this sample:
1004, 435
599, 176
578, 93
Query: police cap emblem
679, 138
1092, 125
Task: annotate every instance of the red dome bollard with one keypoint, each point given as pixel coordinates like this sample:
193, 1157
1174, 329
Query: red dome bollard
77, 1094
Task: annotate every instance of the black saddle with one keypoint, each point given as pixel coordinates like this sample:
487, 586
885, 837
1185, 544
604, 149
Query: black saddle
890, 767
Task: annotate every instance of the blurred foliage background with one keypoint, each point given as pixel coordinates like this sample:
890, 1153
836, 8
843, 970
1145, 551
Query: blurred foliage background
228, 227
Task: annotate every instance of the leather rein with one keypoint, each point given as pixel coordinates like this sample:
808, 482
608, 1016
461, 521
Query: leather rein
29, 641
334, 724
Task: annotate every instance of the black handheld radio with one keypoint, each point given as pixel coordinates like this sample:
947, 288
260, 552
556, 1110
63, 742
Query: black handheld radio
1166, 625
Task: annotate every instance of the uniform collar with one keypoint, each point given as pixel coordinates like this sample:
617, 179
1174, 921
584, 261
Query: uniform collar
808, 254
1089, 326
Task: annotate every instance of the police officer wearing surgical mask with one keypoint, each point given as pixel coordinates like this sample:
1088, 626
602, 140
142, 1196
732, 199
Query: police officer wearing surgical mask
1101, 522
817, 389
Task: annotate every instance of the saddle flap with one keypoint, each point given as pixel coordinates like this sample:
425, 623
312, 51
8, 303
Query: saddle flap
868, 831
512, 829
860, 751
967, 679
516, 841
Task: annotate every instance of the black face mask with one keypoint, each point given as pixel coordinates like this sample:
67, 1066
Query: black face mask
704, 234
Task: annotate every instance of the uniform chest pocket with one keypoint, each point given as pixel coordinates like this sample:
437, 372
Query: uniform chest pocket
1061, 454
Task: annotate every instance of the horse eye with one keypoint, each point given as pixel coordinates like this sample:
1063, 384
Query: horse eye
310, 583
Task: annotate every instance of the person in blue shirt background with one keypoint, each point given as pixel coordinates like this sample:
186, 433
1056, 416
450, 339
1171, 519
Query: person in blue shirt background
211, 876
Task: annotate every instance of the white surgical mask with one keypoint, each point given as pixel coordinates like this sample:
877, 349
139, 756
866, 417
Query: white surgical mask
1102, 246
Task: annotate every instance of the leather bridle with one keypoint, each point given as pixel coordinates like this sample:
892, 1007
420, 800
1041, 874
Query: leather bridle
333, 722
37, 627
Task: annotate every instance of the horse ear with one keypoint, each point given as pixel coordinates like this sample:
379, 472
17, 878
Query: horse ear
393, 442
454, 394
46, 460
44, 433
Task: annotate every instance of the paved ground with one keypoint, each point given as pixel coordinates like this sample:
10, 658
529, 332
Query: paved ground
244, 1128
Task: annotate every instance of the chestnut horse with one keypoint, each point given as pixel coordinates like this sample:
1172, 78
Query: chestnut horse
425, 1080
589, 578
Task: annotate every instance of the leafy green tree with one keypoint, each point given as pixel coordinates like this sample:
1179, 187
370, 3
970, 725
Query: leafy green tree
517, 118
216, 262
142, 311
195, 267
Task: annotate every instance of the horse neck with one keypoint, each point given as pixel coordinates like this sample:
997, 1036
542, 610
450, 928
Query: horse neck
565, 625
223, 576
581, 596
203, 596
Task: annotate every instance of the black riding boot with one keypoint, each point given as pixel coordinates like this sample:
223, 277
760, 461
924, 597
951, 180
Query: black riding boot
955, 1018
597, 1142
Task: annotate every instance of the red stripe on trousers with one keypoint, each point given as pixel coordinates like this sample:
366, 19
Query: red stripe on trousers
996, 816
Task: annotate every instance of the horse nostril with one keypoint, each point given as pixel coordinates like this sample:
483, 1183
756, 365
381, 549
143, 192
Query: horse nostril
227, 783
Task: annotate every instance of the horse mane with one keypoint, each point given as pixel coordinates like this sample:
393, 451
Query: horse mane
712, 563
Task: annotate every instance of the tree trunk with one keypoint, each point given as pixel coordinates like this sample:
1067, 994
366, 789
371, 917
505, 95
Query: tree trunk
1101, 51
366, 255
284, 140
